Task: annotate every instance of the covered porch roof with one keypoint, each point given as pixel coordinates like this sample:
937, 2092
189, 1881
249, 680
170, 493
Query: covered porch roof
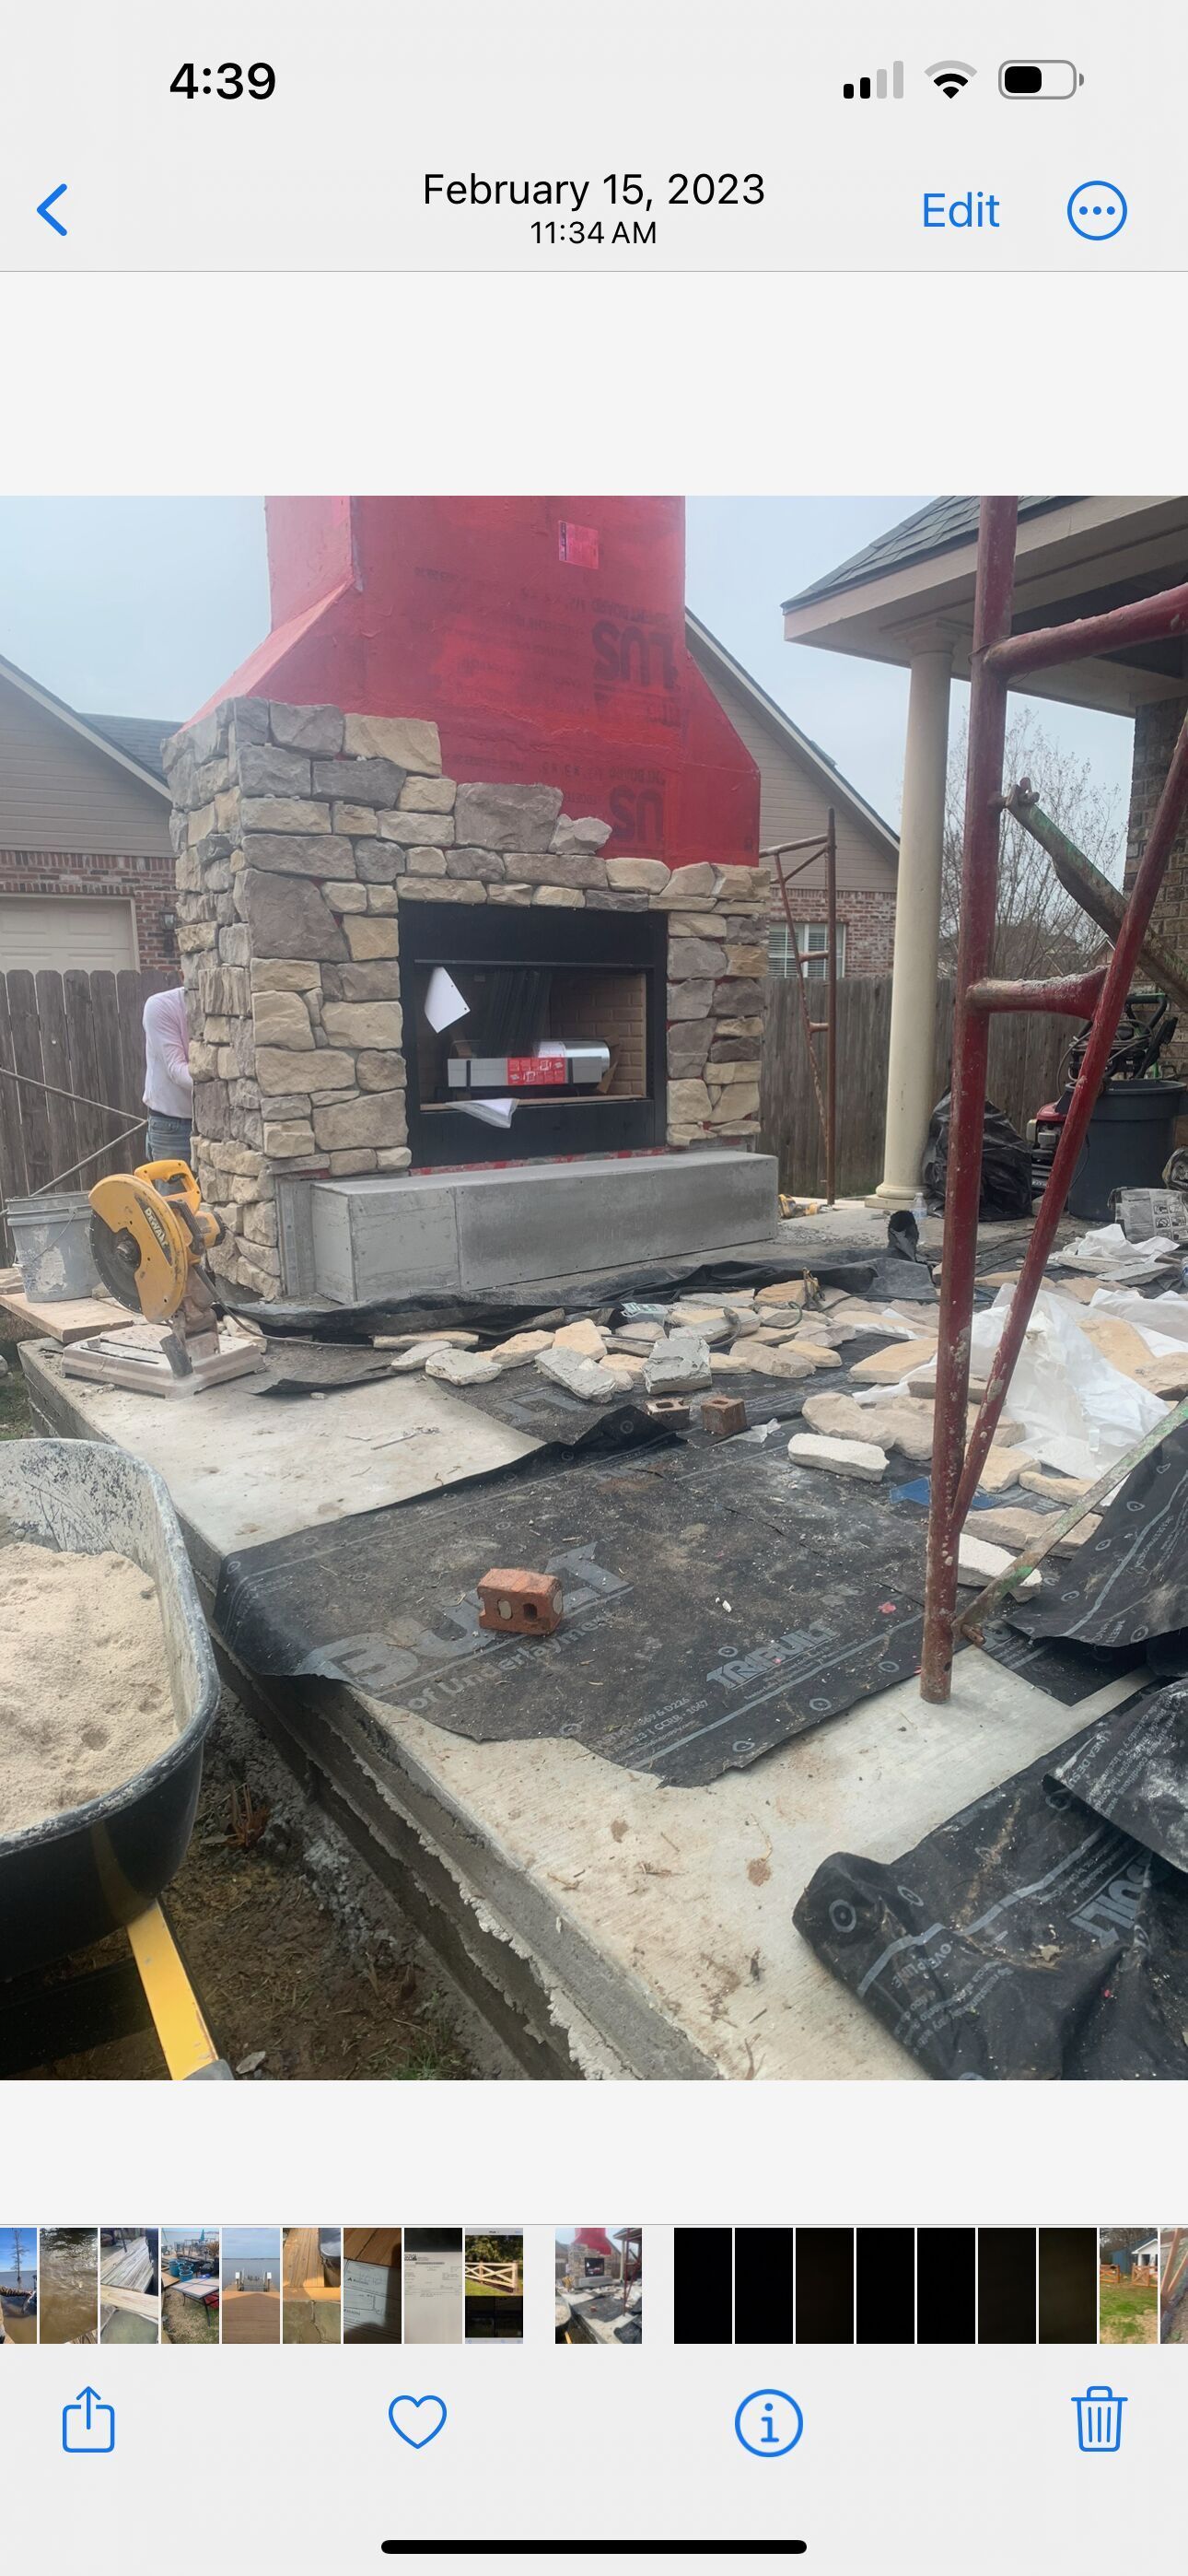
912, 591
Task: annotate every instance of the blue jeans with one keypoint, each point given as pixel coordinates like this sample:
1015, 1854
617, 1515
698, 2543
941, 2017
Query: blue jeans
168, 1139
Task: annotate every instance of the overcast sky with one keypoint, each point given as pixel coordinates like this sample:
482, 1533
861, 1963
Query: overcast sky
142, 607
251, 2245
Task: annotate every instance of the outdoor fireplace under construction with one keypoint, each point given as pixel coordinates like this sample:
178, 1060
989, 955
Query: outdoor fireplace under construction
394, 977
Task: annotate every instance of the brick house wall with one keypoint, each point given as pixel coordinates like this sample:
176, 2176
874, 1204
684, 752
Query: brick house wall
147, 883
797, 785
868, 916
1155, 730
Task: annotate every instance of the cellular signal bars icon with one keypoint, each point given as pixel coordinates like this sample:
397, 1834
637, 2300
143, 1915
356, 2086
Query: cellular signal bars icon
876, 88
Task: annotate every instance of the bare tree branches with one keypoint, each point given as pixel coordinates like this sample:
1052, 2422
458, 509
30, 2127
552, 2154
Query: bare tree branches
1040, 930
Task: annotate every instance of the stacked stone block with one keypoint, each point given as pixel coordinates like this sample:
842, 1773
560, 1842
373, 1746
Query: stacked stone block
300, 834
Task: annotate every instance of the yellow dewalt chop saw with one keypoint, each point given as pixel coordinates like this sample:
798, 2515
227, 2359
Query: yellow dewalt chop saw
150, 1235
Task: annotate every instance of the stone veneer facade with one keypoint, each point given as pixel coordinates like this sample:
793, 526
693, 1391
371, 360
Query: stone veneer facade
300, 832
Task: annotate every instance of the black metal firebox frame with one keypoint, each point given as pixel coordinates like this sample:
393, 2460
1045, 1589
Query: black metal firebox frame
460, 935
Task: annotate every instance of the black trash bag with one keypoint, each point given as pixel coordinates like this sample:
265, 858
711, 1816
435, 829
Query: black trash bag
903, 1236
1006, 1164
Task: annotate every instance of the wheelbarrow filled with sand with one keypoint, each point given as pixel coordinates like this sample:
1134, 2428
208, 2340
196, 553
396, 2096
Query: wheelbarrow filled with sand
107, 1689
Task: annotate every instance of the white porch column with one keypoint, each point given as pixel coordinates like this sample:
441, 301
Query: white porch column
917, 928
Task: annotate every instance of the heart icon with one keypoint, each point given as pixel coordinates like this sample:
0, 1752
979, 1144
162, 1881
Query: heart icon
415, 2429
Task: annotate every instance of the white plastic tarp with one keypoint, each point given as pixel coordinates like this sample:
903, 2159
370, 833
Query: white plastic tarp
1162, 1321
1077, 1411
1105, 1250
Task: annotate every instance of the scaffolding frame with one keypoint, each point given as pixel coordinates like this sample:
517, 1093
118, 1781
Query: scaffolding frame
1001, 661
819, 845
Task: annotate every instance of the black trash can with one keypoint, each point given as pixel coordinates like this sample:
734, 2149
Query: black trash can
1131, 1134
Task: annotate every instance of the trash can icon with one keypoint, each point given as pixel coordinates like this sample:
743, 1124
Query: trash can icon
1099, 2420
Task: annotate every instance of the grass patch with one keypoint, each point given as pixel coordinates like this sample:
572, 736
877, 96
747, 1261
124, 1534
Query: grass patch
1129, 2311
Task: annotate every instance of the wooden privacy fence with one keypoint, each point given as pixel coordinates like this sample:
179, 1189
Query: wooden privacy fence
1026, 1052
80, 1034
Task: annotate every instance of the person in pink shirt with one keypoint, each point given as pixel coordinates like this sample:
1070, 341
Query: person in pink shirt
168, 1090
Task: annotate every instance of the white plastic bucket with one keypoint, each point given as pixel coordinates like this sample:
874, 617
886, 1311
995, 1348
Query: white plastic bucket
52, 1240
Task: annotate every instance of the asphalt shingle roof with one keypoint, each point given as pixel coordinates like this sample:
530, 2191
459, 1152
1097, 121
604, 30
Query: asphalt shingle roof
950, 521
140, 737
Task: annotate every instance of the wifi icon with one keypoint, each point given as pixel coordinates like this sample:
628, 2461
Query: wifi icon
951, 77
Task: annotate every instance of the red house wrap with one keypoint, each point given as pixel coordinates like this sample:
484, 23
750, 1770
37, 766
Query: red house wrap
546, 638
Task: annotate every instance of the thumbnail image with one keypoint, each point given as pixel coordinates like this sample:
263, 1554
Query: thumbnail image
311, 2285
1128, 2285
251, 2272
129, 2285
371, 2287
189, 2285
18, 2285
434, 2285
494, 2268
68, 2306
599, 2284
527, 868
1173, 2285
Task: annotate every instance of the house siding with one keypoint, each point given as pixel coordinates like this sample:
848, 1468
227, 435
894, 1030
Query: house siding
73, 822
58, 793
794, 802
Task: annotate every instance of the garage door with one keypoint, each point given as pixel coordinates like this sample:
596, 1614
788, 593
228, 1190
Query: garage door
37, 931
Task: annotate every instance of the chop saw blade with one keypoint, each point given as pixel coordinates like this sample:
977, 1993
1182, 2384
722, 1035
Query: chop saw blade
142, 1246
116, 1256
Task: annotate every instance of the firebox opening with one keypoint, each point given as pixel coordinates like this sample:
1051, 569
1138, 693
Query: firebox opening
525, 1016
553, 1043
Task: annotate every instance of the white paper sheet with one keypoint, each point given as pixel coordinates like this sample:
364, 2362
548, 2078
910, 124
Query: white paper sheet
443, 1001
494, 1113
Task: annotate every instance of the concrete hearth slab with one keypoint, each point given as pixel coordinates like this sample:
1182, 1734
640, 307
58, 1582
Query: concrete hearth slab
491, 1228
243, 1468
607, 1924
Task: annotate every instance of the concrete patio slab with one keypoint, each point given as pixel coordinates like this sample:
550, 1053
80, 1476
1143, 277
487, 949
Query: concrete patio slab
611, 1925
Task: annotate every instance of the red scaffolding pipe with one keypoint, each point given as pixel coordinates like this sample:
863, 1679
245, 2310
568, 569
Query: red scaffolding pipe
996, 663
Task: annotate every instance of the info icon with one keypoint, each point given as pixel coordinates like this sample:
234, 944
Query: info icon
769, 2423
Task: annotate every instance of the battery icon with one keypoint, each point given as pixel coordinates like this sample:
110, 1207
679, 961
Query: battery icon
1040, 80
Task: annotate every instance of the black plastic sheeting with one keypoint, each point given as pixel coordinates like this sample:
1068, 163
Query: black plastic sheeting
1042, 1932
1128, 1585
1133, 1767
686, 1650
496, 1312
316, 1368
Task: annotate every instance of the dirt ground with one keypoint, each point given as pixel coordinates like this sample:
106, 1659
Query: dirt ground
298, 1957
15, 1421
